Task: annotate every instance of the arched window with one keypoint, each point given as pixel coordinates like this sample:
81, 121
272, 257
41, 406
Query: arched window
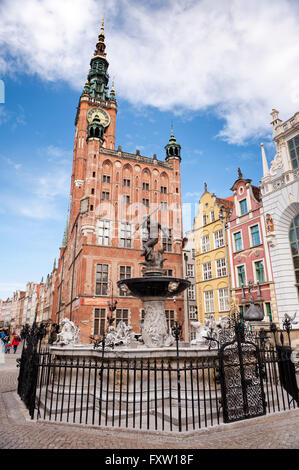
294, 241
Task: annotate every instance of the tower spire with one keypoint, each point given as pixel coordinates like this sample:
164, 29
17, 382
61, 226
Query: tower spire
98, 78
173, 148
100, 46
65, 235
265, 163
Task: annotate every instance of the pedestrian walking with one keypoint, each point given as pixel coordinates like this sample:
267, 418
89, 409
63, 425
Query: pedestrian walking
15, 342
6, 341
2, 336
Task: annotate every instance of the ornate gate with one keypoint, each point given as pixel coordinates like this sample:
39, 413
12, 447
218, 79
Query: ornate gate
241, 379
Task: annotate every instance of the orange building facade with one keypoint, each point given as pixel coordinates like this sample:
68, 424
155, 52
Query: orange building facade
112, 192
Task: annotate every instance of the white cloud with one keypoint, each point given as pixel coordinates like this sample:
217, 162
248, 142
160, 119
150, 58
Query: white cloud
236, 58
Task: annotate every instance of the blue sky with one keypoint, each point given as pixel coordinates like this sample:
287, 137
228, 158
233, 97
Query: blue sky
218, 94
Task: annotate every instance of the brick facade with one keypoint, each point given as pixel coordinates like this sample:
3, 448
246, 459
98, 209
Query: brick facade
111, 193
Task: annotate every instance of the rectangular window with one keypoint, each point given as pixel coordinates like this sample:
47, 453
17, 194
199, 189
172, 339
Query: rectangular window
164, 189
241, 275
105, 195
145, 202
99, 324
190, 270
191, 292
221, 267
102, 279
209, 301
243, 207
126, 182
104, 232
259, 271
238, 241
145, 186
212, 216
126, 199
163, 205
121, 314
125, 235
193, 312
167, 241
207, 271
125, 272
293, 145
218, 238
170, 318
205, 243
204, 219
106, 179
255, 235
169, 272
223, 299
268, 310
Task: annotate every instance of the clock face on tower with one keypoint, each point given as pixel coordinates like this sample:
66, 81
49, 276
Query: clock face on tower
101, 113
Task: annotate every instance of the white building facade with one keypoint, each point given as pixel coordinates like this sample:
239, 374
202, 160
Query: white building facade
280, 196
190, 302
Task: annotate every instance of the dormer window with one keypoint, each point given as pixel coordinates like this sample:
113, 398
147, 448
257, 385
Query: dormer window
243, 207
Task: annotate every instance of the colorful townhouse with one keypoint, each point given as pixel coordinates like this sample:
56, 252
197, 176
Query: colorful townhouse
249, 257
211, 256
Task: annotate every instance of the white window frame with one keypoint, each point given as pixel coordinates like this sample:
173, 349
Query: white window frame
217, 239
221, 269
234, 242
126, 229
191, 292
205, 243
104, 232
254, 269
190, 270
240, 212
209, 301
193, 314
237, 276
223, 299
207, 271
250, 234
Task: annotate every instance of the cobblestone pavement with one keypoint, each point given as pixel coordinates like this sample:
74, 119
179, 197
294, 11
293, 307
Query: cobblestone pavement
18, 431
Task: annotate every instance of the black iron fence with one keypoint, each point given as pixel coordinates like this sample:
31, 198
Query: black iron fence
174, 394
144, 394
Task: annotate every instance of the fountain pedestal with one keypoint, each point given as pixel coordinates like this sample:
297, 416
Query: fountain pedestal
154, 327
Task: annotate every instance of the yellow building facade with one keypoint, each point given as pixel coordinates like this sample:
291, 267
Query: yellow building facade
211, 256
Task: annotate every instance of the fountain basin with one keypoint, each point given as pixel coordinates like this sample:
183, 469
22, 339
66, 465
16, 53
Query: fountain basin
155, 286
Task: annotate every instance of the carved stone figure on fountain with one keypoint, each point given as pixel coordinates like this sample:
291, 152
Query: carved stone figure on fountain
69, 333
121, 335
201, 334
